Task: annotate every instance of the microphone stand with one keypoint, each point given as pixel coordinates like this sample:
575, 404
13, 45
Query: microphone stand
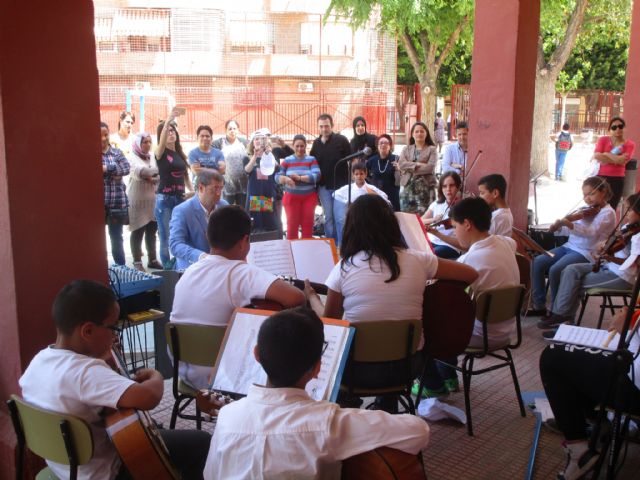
348, 159
622, 360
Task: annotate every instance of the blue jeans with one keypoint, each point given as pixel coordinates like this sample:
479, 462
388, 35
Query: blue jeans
117, 244
164, 207
554, 265
576, 279
326, 200
443, 251
339, 215
561, 155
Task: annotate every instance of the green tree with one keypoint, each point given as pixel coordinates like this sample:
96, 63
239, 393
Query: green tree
428, 30
565, 24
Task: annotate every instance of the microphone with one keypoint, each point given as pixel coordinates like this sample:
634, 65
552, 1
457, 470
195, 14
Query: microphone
365, 151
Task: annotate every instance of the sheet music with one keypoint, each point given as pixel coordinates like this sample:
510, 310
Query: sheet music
313, 259
238, 370
412, 231
274, 256
587, 337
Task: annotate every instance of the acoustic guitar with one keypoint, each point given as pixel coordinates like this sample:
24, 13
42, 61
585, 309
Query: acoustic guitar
138, 442
383, 463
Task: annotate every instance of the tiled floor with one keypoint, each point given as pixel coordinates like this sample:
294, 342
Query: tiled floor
501, 445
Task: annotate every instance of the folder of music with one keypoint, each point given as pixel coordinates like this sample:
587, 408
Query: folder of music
309, 258
236, 369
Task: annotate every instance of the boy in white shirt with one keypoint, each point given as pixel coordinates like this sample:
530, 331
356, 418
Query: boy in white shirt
210, 289
278, 431
493, 190
73, 377
494, 257
358, 188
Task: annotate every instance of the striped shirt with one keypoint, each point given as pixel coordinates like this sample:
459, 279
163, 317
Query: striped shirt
305, 166
114, 188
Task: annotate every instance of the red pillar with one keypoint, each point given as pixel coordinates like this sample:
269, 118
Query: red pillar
51, 205
632, 87
502, 94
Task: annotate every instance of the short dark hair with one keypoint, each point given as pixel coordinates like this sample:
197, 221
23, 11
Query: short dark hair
388, 137
616, 119
204, 127
634, 202
208, 175
104, 125
227, 225
359, 166
462, 124
565, 126
226, 124
325, 116
494, 181
476, 210
289, 345
297, 137
81, 301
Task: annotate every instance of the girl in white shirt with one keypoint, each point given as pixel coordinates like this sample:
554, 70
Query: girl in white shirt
379, 278
584, 236
438, 211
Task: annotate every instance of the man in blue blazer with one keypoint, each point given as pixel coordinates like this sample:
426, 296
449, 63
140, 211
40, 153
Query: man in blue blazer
188, 227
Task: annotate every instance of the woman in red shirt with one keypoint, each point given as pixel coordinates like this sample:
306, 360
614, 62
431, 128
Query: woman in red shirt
613, 151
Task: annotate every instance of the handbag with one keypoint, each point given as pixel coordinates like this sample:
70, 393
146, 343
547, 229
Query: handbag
260, 203
117, 216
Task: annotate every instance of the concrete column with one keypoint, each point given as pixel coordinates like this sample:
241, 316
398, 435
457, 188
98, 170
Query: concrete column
502, 94
632, 87
51, 194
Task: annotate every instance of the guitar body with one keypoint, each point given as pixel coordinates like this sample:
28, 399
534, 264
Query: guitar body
139, 445
383, 463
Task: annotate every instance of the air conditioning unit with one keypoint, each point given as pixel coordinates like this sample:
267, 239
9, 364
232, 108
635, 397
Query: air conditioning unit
305, 87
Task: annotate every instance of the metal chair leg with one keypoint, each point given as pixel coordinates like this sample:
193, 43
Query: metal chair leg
584, 301
516, 384
603, 307
467, 368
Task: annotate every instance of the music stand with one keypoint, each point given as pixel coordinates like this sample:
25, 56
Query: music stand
534, 180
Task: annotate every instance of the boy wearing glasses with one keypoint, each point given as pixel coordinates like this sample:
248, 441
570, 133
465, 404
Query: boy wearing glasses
278, 431
613, 152
72, 377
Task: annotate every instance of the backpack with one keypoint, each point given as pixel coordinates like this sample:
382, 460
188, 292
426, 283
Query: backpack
564, 142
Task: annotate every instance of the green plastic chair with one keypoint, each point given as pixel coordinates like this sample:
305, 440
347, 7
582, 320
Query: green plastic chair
607, 295
386, 341
195, 344
493, 306
60, 438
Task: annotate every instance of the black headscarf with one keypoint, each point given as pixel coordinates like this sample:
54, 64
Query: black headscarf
358, 142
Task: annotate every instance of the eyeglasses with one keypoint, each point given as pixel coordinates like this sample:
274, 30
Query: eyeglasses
384, 142
616, 127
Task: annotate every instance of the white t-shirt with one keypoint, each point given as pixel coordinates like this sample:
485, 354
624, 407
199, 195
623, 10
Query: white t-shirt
368, 297
342, 194
441, 209
501, 222
587, 233
495, 260
277, 433
629, 269
68, 382
208, 292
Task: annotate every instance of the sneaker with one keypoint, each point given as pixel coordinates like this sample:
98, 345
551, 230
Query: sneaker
452, 385
552, 425
428, 392
549, 335
580, 460
553, 321
536, 312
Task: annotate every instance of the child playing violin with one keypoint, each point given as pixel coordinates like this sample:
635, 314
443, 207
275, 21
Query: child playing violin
437, 215
586, 230
619, 270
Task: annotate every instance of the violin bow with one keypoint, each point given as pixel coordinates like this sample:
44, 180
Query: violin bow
466, 171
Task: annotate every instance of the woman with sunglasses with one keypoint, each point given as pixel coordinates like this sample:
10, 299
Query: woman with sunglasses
613, 151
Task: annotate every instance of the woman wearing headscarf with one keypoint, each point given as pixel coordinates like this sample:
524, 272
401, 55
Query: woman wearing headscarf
142, 200
362, 139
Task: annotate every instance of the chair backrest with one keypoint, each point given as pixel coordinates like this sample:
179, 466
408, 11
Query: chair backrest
385, 340
447, 315
194, 343
499, 304
41, 431
524, 267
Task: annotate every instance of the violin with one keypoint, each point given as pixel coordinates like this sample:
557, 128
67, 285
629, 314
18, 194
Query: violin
616, 243
586, 213
446, 223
